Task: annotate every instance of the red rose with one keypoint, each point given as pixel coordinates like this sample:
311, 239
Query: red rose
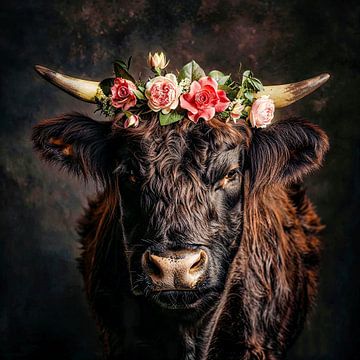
122, 96
204, 99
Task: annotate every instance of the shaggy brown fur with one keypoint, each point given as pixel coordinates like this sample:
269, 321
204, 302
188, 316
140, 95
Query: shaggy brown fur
158, 190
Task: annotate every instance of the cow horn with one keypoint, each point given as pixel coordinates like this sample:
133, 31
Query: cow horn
85, 90
284, 95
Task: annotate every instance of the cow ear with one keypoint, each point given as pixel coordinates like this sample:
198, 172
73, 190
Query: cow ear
77, 143
285, 152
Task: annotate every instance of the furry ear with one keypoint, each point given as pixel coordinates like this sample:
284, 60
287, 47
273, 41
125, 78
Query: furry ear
77, 143
285, 152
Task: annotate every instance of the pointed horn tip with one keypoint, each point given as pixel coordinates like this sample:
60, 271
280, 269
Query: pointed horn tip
324, 77
39, 69
42, 70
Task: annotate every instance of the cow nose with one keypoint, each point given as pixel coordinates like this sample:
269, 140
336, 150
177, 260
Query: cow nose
176, 270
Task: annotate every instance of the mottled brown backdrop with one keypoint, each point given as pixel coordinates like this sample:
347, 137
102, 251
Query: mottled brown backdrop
42, 307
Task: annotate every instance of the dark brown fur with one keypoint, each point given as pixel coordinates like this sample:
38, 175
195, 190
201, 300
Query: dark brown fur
267, 260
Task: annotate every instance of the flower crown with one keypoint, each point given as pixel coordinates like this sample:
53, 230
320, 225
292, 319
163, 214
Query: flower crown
188, 94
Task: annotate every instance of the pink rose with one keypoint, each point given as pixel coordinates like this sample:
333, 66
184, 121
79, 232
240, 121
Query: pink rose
122, 96
163, 93
262, 112
133, 120
204, 99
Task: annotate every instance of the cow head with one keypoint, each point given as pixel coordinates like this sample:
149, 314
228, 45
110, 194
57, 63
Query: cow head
178, 191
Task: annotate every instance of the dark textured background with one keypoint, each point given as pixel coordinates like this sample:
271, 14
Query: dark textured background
42, 306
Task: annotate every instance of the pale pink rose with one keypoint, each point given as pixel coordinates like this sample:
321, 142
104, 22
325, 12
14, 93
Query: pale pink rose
133, 120
236, 111
122, 96
163, 93
262, 112
204, 99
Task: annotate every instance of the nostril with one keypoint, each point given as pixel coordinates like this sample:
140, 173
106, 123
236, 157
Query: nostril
199, 264
152, 265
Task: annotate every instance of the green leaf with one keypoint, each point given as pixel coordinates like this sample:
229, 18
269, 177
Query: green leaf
122, 63
230, 92
106, 85
246, 75
129, 62
248, 95
191, 71
240, 92
251, 83
120, 70
118, 66
231, 83
226, 88
127, 113
224, 115
139, 94
257, 84
216, 74
220, 78
244, 114
172, 117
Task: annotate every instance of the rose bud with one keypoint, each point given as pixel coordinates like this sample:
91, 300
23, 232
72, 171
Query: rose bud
133, 120
236, 110
157, 61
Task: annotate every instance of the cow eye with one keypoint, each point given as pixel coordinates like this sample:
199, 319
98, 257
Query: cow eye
231, 175
132, 177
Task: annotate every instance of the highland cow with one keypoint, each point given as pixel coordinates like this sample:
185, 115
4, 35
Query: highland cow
201, 242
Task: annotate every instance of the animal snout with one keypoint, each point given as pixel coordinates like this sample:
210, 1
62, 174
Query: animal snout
176, 270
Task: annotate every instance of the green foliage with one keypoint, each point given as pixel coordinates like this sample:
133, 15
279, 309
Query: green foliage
105, 107
249, 96
220, 78
140, 87
106, 85
231, 88
191, 71
121, 69
139, 94
224, 115
249, 82
249, 86
172, 117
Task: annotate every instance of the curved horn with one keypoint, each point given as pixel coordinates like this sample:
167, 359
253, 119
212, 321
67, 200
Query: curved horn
85, 90
284, 95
